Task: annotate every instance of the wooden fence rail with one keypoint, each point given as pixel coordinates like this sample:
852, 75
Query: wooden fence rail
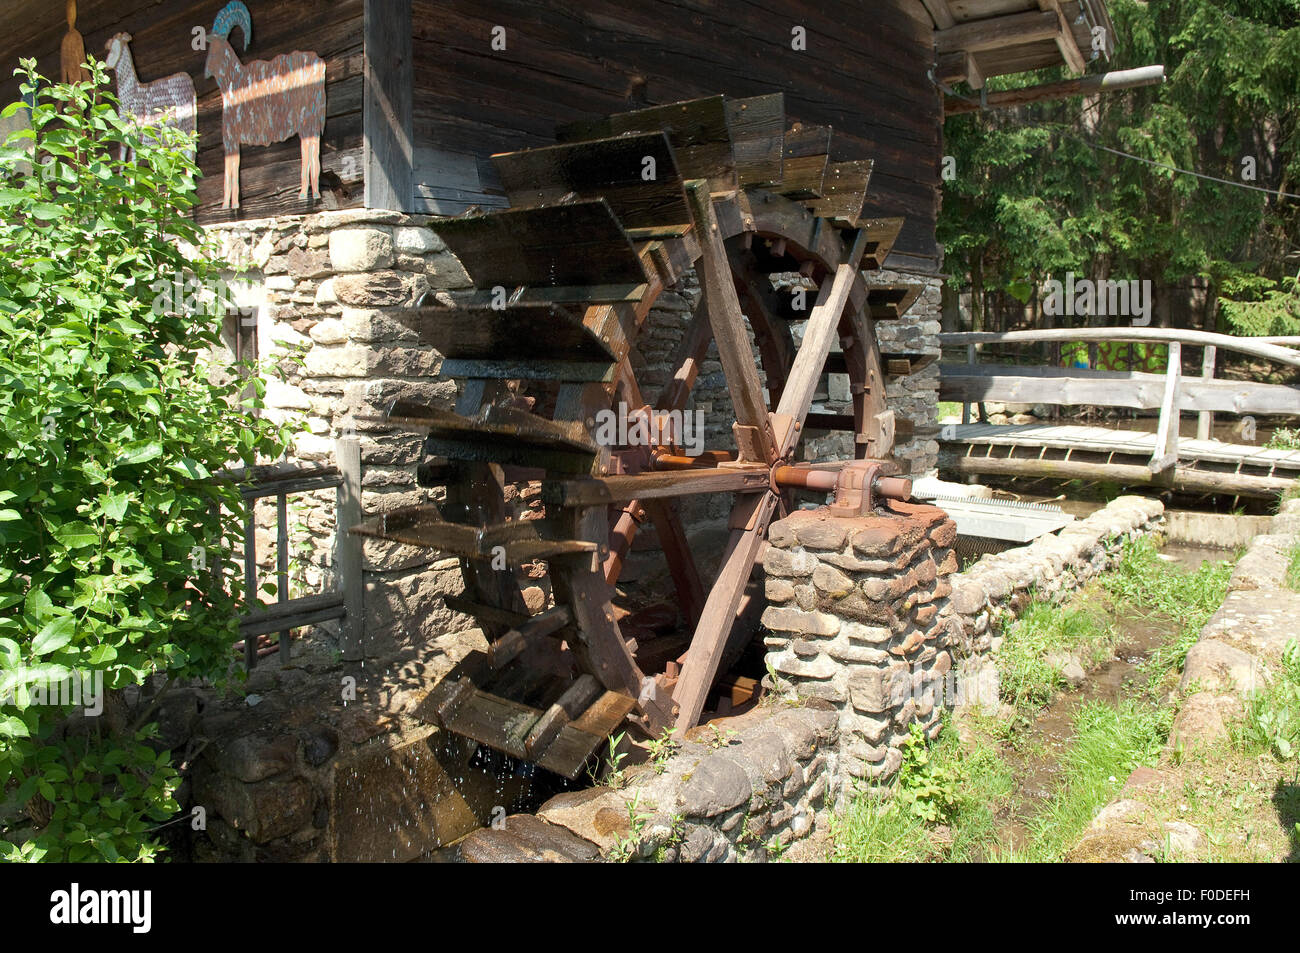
1171, 392
346, 602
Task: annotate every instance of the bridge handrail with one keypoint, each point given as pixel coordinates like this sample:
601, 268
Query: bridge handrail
1227, 342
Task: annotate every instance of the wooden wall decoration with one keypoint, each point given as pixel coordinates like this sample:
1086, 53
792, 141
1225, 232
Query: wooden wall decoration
265, 101
169, 101
73, 52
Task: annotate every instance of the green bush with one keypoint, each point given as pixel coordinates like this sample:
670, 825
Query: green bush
112, 423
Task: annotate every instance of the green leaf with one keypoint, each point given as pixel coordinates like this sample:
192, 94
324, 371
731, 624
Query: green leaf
54, 636
76, 534
141, 452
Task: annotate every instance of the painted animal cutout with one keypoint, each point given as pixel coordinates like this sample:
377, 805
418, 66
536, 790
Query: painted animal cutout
73, 51
265, 101
169, 101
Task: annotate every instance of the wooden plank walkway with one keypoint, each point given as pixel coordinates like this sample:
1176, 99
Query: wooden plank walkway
1066, 451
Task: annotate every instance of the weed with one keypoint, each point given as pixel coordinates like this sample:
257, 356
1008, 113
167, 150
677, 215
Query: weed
721, 738
1272, 720
614, 776
1293, 568
662, 748
926, 789
625, 849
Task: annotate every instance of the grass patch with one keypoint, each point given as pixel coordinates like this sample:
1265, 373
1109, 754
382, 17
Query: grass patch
1293, 567
1142, 585
1284, 438
1030, 661
948, 408
965, 782
1272, 722
1108, 744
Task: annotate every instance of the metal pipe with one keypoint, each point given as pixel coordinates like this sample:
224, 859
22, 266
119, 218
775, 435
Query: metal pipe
669, 461
823, 480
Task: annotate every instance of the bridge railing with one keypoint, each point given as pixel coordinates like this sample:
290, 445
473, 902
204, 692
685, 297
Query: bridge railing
1170, 392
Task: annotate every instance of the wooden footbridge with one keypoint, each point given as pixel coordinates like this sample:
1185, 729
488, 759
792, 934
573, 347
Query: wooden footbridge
1163, 458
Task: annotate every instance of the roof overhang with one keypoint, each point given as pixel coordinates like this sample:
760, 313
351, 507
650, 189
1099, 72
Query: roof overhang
976, 39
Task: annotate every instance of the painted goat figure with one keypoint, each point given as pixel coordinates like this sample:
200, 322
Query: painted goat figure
168, 101
265, 101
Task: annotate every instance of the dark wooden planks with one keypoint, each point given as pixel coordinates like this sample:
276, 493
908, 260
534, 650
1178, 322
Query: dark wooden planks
388, 148
881, 235
807, 155
637, 176
890, 302
566, 62
697, 129
758, 138
844, 192
542, 332
557, 245
161, 44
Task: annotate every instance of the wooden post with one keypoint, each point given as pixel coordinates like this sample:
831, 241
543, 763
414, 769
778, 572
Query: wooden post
971, 357
1205, 419
282, 568
347, 560
729, 331
1165, 456
387, 106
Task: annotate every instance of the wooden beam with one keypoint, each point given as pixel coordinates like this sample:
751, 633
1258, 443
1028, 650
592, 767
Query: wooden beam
940, 14
604, 490
1070, 51
729, 331
1205, 419
823, 322
998, 32
959, 67
750, 518
1083, 86
1183, 478
1165, 455
1225, 342
389, 79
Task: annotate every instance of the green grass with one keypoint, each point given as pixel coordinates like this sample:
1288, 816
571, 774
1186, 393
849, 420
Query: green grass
1284, 438
1029, 680
1144, 586
875, 830
1108, 744
1293, 567
948, 408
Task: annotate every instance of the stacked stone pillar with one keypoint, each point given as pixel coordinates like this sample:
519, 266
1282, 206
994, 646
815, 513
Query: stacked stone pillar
855, 620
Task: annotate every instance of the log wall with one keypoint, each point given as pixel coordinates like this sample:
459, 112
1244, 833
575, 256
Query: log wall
863, 73
162, 35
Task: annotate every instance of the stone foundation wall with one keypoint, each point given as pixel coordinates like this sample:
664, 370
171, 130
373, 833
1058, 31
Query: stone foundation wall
331, 291
740, 789
855, 619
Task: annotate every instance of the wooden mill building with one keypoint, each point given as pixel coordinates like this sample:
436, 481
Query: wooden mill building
420, 93
440, 199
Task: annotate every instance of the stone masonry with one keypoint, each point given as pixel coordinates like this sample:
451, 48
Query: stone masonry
855, 620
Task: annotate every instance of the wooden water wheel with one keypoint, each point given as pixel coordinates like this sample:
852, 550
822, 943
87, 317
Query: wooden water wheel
600, 225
